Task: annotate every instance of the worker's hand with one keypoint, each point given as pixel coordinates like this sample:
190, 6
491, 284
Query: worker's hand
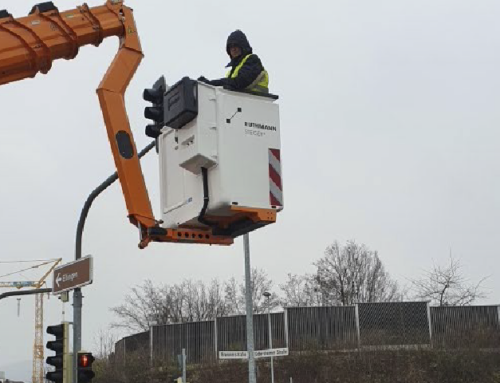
204, 79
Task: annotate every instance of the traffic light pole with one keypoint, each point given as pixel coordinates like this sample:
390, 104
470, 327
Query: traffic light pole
77, 329
29, 292
77, 294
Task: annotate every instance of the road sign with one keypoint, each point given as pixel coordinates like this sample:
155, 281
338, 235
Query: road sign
73, 275
233, 354
272, 352
258, 354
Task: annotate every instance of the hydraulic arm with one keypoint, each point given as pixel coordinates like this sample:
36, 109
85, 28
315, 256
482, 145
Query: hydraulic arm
29, 45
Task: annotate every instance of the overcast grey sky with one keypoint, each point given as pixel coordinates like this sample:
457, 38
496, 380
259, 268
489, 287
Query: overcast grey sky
389, 115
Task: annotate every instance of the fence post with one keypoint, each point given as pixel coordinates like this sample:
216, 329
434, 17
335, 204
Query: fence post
429, 319
186, 340
215, 339
498, 316
285, 318
167, 351
151, 345
358, 330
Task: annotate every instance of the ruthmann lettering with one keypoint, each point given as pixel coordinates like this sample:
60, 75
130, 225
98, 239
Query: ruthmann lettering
260, 126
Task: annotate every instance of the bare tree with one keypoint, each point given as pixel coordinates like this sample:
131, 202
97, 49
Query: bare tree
233, 297
144, 305
301, 290
235, 293
190, 301
185, 302
203, 302
104, 344
354, 274
446, 286
261, 284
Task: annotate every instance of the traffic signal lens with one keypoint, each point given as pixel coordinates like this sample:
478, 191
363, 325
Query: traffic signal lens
57, 330
84, 361
55, 345
153, 113
153, 95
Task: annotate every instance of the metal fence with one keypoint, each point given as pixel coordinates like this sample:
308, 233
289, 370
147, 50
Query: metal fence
131, 344
390, 324
477, 326
323, 328
363, 326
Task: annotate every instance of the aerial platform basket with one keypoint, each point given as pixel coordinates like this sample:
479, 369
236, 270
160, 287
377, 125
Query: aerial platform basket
220, 162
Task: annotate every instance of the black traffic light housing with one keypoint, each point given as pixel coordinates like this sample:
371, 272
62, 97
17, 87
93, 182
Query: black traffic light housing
181, 102
61, 347
84, 367
155, 95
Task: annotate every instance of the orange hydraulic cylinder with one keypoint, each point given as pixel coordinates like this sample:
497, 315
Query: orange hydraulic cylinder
29, 45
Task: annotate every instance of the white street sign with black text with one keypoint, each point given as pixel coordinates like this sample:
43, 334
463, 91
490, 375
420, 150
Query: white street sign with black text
233, 355
258, 354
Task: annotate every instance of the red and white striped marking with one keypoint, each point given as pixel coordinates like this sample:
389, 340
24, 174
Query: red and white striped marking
275, 184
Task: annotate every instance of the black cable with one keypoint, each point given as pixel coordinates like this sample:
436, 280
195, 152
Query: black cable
90, 199
206, 199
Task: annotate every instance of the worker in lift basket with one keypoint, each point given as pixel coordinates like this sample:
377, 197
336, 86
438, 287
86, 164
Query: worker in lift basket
247, 71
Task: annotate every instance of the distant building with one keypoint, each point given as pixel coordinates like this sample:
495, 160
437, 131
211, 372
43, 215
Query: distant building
3, 380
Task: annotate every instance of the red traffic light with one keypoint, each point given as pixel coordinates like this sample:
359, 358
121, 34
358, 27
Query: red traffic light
85, 360
85, 373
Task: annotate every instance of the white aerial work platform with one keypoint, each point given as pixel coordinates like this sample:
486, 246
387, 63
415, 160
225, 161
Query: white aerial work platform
220, 162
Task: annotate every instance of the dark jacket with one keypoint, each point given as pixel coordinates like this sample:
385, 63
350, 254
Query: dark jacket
249, 71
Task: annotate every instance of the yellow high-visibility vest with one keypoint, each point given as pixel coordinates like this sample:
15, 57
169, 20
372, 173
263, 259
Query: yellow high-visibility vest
260, 84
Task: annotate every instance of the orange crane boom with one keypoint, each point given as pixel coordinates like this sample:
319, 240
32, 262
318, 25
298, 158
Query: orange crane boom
29, 45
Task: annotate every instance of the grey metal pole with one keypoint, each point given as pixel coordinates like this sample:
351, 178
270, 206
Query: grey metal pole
270, 335
77, 330
252, 377
77, 294
184, 366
